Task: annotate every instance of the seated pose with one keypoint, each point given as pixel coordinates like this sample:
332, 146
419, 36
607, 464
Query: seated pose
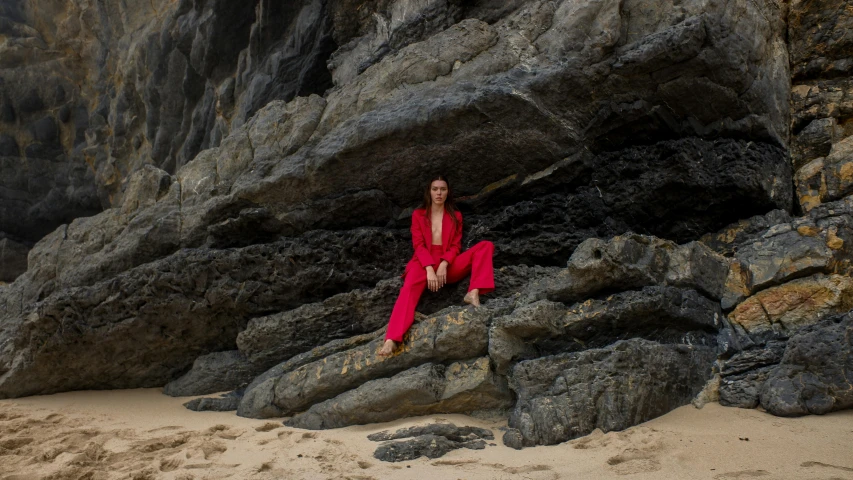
437, 239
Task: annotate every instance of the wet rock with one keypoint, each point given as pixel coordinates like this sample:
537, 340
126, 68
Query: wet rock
453, 334
214, 372
664, 314
813, 376
569, 395
430, 446
462, 387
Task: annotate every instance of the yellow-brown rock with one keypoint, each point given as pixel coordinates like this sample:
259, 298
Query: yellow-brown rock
794, 304
826, 179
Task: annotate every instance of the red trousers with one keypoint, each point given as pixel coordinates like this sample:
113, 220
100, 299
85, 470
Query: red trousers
477, 260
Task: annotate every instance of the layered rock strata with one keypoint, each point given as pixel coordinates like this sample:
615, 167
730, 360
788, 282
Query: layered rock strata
256, 164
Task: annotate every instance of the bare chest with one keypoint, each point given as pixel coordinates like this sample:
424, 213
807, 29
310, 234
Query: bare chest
436, 229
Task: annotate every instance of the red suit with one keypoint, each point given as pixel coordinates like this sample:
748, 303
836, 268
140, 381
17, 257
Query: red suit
477, 260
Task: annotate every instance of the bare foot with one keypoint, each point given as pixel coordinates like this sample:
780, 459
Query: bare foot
387, 348
473, 297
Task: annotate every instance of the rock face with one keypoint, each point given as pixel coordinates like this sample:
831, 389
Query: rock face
570, 395
813, 376
216, 195
13, 259
462, 387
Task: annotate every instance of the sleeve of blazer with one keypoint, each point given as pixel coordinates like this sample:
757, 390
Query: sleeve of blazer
455, 241
421, 252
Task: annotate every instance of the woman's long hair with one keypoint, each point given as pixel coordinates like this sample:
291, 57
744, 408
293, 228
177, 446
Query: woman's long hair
449, 203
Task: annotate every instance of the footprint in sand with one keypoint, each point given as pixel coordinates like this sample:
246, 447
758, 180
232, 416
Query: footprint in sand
826, 465
455, 462
633, 465
269, 426
595, 439
170, 464
225, 432
163, 443
642, 454
212, 448
742, 474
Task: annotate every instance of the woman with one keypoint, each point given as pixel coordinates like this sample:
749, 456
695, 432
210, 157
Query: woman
437, 239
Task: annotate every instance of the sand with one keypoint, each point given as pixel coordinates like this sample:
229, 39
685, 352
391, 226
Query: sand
142, 434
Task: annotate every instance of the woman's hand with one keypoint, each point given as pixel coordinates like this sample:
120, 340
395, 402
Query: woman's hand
432, 279
441, 273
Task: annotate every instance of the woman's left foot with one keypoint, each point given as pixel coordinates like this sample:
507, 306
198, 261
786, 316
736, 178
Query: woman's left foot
473, 297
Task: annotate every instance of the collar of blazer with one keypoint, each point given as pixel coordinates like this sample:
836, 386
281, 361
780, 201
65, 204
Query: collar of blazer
446, 229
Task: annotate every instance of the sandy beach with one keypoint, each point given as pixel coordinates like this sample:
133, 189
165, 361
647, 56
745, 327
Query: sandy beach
142, 434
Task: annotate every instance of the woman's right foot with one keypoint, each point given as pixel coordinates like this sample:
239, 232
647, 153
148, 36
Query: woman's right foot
473, 297
388, 348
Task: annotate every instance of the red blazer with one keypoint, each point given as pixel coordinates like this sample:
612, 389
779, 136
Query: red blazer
451, 238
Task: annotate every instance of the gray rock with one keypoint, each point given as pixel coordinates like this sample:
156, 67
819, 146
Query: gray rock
634, 261
270, 339
664, 314
453, 334
569, 395
770, 354
818, 242
447, 430
9, 146
215, 372
462, 387
431, 441
819, 41
743, 390
225, 403
813, 376
732, 237
13, 259
430, 446
187, 305
258, 403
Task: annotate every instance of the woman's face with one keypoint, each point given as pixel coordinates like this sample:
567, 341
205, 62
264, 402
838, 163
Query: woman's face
438, 192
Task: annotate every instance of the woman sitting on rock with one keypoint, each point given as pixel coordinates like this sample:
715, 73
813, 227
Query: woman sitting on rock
437, 239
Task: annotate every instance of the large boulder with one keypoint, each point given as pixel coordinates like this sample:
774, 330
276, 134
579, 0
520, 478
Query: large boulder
462, 387
634, 261
146, 326
813, 376
781, 310
566, 396
453, 334
542, 328
214, 372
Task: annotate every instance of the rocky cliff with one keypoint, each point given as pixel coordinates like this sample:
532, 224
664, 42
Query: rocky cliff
215, 195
